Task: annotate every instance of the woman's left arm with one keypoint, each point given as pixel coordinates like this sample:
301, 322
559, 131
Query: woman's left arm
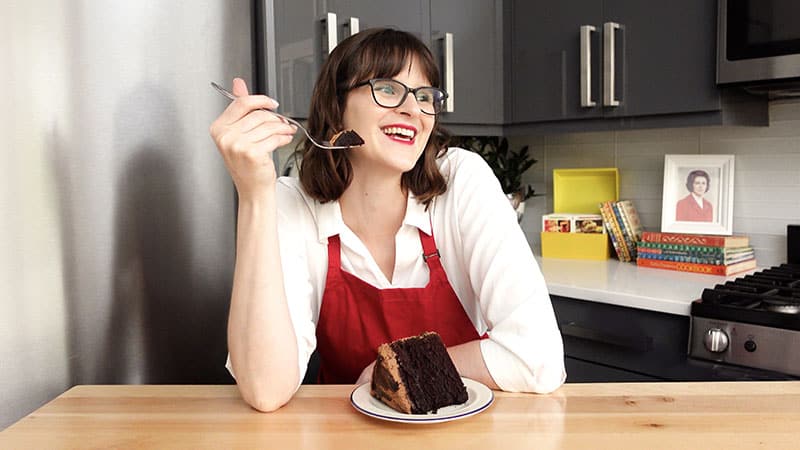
469, 362
524, 351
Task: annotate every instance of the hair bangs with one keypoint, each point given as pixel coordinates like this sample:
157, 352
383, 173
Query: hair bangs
387, 53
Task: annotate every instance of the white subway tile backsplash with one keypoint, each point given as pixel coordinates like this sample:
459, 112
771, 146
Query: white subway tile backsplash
769, 161
757, 147
784, 195
579, 138
767, 174
782, 128
776, 210
641, 191
789, 177
659, 135
758, 225
636, 176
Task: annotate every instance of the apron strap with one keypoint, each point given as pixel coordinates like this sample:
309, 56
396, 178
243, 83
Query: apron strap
334, 254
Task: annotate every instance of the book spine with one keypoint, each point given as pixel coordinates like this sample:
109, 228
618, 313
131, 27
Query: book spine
690, 239
608, 222
681, 247
650, 253
632, 216
694, 250
617, 232
630, 242
709, 269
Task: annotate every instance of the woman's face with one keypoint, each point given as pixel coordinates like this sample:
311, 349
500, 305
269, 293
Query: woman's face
394, 138
699, 186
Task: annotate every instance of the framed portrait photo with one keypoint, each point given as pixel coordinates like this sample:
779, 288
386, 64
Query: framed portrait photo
698, 194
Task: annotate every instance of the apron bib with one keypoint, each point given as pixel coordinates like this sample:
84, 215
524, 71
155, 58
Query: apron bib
356, 317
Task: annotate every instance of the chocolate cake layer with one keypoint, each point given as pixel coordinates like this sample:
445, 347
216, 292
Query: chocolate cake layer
347, 138
415, 375
428, 374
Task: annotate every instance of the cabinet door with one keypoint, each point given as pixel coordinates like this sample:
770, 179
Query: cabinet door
476, 26
546, 59
408, 15
665, 60
288, 42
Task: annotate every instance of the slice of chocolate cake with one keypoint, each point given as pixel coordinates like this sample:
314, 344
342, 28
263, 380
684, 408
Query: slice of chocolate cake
347, 138
415, 375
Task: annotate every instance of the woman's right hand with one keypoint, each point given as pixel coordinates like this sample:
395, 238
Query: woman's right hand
246, 136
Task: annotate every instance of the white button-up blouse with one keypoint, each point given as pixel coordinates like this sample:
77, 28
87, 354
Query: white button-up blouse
483, 251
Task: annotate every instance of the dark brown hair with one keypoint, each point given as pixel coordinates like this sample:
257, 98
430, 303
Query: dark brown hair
694, 174
373, 53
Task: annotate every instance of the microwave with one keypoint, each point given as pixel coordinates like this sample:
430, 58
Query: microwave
758, 43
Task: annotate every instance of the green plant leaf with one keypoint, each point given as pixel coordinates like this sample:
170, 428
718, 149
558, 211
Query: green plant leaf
508, 165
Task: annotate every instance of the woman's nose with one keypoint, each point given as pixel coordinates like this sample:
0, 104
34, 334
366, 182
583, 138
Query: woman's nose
410, 106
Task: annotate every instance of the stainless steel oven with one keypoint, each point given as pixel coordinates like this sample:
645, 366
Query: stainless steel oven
751, 321
758, 42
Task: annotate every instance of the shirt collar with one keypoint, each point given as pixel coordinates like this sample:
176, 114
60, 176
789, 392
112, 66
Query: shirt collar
330, 222
416, 215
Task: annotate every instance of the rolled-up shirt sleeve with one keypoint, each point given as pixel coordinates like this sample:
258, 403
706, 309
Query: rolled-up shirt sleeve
524, 351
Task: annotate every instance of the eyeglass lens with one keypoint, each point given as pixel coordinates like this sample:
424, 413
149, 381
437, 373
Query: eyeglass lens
391, 94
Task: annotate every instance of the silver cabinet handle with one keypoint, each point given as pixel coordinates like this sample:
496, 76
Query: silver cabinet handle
586, 66
609, 29
448, 72
354, 26
330, 28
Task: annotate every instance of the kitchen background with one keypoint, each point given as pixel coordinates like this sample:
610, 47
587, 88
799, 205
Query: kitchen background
766, 179
116, 213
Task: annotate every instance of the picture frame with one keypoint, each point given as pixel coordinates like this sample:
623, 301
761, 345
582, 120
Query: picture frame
686, 208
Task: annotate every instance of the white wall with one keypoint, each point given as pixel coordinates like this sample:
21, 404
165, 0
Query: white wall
767, 172
33, 351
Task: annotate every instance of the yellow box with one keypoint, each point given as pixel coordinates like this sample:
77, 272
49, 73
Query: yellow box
580, 191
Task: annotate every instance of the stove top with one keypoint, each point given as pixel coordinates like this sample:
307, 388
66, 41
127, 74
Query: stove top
769, 298
751, 321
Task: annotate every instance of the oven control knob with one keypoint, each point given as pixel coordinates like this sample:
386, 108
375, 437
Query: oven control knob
715, 340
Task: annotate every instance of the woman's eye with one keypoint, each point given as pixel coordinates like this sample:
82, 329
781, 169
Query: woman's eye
385, 89
424, 97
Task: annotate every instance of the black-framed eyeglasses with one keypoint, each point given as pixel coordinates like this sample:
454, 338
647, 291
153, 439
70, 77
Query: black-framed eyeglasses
392, 93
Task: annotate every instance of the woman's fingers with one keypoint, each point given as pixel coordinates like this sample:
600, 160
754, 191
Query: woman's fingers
256, 118
267, 129
239, 87
244, 103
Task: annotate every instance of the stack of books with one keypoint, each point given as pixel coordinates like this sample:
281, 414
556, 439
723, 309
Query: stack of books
624, 227
713, 255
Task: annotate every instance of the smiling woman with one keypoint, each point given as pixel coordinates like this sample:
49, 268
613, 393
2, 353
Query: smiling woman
394, 238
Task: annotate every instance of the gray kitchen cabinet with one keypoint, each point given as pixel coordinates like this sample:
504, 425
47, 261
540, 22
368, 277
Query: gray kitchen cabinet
545, 59
612, 343
665, 56
476, 30
409, 15
294, 39
612, 63
289, 40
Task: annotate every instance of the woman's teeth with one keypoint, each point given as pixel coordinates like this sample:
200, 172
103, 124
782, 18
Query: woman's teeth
403, 133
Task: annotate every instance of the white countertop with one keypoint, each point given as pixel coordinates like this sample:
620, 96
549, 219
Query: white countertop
626, 284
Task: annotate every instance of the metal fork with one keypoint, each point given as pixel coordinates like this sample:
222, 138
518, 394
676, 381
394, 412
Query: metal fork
321, 144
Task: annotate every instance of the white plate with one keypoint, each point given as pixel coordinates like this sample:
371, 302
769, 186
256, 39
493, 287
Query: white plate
479, 397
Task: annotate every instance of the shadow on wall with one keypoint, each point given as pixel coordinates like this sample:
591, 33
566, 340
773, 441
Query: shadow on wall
167, 324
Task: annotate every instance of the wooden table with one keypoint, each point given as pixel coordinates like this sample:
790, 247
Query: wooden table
743, 415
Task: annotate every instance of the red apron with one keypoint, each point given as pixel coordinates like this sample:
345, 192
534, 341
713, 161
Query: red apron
356, 317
